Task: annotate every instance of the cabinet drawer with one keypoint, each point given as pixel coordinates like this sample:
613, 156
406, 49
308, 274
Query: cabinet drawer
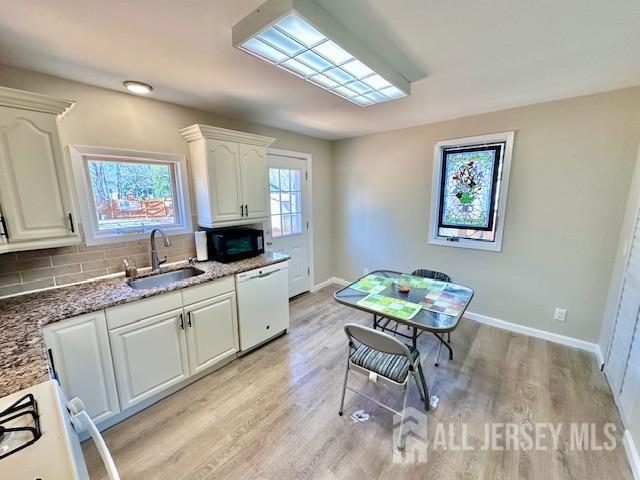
128, 313
207, 290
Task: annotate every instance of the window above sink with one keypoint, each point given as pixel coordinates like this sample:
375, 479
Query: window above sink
124, 194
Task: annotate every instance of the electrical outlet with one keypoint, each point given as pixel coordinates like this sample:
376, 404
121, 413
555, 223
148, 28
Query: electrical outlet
366, 271
560, 314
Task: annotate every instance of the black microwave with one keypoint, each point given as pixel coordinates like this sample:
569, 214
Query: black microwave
230, 244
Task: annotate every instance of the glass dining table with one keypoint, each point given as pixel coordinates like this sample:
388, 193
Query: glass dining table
424, 321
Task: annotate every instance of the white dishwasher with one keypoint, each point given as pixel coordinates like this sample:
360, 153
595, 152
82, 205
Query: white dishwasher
263, 304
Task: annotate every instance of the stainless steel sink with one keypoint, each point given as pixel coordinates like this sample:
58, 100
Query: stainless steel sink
164, 279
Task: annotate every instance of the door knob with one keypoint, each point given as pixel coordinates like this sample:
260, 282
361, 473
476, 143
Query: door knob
269, 243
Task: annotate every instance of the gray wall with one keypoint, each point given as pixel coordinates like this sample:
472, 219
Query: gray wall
108, 118
571, 169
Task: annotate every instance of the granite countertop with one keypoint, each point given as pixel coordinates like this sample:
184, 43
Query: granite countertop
23, 359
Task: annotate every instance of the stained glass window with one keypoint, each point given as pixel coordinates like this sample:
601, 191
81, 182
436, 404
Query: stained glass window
468, 191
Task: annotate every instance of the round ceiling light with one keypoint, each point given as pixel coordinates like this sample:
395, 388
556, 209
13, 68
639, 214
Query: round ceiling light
137, 87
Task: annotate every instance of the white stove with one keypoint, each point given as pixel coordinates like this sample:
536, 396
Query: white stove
37, 438
19, 425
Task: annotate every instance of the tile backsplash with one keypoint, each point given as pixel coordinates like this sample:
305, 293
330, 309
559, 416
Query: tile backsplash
36, 269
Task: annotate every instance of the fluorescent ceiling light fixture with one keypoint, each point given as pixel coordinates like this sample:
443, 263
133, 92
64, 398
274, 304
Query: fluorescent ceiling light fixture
299, 37
137, 87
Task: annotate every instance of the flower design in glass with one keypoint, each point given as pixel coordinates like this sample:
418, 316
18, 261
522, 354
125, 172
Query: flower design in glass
297, 47
468, 192
286, 206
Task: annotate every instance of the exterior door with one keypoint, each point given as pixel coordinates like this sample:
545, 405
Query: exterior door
255, 193
288, 230
225, 180
34, 187
211, 331
149, 356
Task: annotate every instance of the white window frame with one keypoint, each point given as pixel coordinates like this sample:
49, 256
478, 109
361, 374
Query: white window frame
79, 155
480, 140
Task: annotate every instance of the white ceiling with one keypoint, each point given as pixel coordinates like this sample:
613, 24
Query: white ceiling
464, 57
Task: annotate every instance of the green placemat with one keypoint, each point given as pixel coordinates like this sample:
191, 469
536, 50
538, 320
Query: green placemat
372, 284
390, 307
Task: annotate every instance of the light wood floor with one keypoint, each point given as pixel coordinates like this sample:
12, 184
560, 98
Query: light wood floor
273, 413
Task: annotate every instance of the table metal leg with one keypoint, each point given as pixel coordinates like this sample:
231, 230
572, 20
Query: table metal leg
438, 354
375, 321
446, 344
414, 340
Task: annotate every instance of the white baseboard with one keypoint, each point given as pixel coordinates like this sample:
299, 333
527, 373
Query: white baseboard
330, 281
599, 355
632, 454
534, 332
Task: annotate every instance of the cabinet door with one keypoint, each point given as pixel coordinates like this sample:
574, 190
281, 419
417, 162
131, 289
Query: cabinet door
149, 356
224, 180
80, 354
34, 186
255, 180
212, 331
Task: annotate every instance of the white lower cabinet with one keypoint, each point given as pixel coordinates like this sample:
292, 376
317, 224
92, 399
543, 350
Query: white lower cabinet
115, 359
212, 332
81, 358
149, 356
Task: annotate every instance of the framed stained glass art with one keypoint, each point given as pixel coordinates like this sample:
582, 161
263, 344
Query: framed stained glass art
468, 189
470, 182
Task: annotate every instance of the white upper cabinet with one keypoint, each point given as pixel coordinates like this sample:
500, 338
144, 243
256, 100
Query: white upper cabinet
225, 181
255, 180
230, 175
35, 194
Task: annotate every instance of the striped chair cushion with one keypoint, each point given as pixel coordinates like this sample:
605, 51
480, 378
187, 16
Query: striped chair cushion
393, 367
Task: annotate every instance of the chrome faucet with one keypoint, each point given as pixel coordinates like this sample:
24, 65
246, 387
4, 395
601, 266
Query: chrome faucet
155, 261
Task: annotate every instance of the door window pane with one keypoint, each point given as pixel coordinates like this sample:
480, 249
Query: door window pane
296, 226
276, 227
275, 203
274, 180
286, 224
295, 180
286, 201
296, 207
